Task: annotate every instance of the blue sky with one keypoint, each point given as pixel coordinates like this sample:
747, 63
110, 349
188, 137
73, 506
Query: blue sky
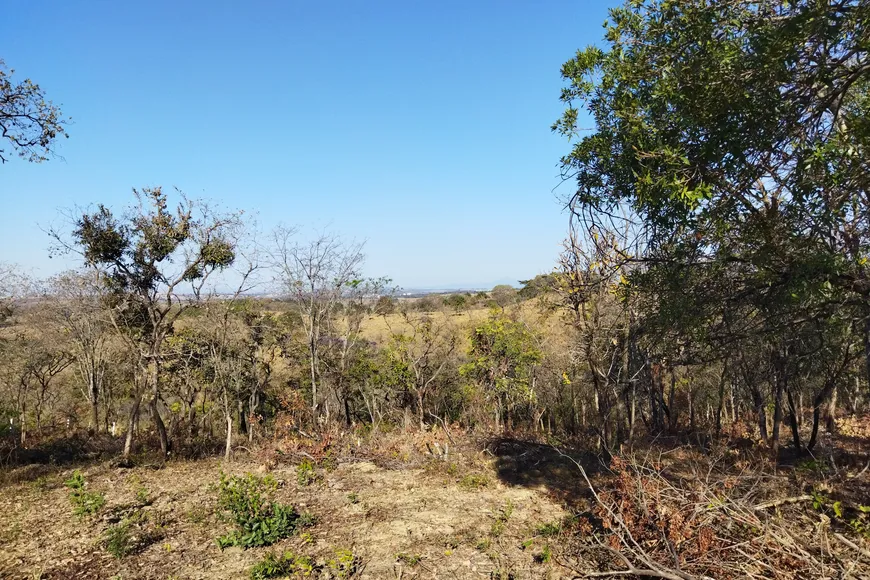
422, 128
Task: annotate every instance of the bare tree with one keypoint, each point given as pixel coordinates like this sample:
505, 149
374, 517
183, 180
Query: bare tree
316, 275
76, 301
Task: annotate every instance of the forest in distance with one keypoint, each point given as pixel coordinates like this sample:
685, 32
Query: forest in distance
683, 394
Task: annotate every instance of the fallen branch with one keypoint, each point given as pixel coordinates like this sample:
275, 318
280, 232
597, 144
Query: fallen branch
782, 501
853, 545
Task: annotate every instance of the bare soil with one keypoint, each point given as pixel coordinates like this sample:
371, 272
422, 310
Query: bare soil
442, 523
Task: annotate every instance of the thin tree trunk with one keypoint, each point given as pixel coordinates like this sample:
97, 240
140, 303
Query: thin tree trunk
131, 425
228, 451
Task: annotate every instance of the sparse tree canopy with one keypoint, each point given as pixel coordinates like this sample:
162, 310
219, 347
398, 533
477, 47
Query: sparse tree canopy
28, 122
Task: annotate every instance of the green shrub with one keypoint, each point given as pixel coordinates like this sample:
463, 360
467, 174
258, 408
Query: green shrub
272, 566
258, 520
130, 536
305, 474
549, 529
119, 539
345, 564
84, 502
474, 481
409, 559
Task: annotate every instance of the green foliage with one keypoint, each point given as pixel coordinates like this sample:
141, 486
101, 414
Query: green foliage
549, 529
345, 564
353, 498
474, 481
409, 559
305, 473
545, 555
504, 354
119, 539
258, 520
504, 514
287, 564
28, 121
84, 502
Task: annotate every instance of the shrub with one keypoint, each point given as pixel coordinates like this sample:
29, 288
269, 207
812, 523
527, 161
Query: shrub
305, 474
409, 559
258, 521
129, 536
84, 502
474, 481
272, 566
345, 564
119, 539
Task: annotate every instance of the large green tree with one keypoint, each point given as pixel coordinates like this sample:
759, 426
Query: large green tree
737, 135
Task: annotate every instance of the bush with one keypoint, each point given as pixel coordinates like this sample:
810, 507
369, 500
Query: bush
258, 521
305, 474
272, 566
129, 536
84, 502
345, 564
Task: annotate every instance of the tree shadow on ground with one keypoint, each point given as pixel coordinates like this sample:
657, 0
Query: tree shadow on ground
552, 469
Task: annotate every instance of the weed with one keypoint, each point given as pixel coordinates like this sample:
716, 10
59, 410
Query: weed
409, 559
129, 536
305, 474
258, 521
484, 544
345, 564
84, 502
119, 539
197, 514
545, 556
272, 566
142, 496
501, 519
353, 498
474, 481
549, 529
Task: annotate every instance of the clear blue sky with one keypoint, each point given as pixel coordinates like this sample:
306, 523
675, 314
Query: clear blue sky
421, 127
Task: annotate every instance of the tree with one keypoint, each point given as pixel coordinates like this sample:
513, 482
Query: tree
316, 275
736, 134
504, 354
76, 301
27, 121
145, 259
418, 353
503, 295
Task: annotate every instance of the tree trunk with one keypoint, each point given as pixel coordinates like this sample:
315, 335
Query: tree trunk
131, 427
793, 421
228, 451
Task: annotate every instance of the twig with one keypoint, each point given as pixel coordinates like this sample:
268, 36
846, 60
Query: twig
852, 545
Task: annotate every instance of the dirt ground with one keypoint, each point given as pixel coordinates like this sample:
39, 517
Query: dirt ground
431, 522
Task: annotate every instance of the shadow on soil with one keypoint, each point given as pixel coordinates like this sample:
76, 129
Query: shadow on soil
530, 464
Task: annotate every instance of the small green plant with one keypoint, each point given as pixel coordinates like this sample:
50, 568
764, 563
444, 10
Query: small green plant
544, 556
353, 498
474, 481
84, 502
409, 559
345, 564
305, 474
119, 539
258, 520
272, 566
549, 529
142, 496
501, 519
483, 544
